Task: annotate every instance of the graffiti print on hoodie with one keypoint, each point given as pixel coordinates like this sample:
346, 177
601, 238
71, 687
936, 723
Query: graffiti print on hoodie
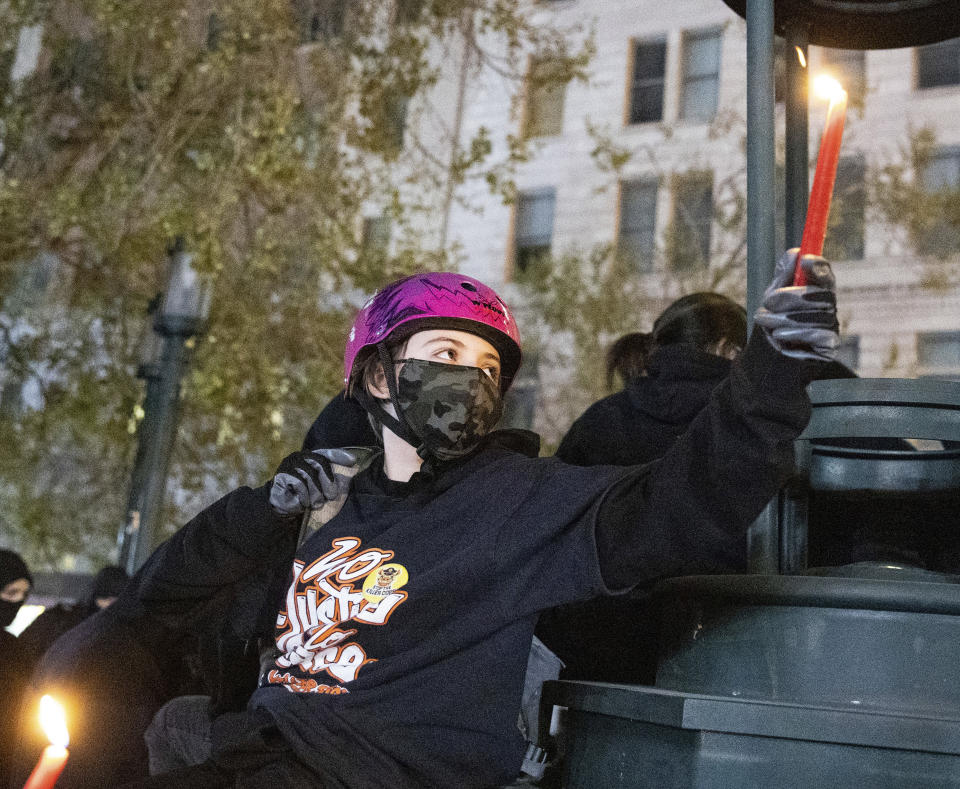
348, 584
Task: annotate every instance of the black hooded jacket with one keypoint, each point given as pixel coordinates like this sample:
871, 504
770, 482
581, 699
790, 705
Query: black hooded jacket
54, 622
639, 423
481, 547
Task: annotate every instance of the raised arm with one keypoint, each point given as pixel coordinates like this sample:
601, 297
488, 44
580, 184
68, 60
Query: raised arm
691, 508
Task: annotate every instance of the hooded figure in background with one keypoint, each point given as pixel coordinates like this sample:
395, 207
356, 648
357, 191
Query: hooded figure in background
105, 588
15, 583
668, 376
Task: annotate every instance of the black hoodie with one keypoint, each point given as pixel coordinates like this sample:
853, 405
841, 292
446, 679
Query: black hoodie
641, 422
421, 684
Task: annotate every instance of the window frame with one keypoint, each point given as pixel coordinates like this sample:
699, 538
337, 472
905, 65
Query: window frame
703, 241
533, 97
632, 81
518, 271
934, 370
645, 262
942, 237
918, 67
686, 80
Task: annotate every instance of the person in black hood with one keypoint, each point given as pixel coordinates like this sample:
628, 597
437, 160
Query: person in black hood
15, 583
104, 589
668, 376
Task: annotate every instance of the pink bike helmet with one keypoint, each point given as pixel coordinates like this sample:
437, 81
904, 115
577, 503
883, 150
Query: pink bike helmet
439, 300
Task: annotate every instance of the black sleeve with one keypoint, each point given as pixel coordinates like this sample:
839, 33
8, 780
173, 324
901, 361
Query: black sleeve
233, 539
690, 509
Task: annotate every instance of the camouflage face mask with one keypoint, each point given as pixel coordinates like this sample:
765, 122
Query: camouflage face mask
449, 406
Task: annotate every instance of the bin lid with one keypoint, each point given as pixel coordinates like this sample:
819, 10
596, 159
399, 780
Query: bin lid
866, 594
866, 24
820, 723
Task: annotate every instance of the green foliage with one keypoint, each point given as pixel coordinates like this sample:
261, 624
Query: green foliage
910, 193
576, 305
264, 136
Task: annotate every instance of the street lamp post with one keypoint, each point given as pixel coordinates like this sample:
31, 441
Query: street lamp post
180, 315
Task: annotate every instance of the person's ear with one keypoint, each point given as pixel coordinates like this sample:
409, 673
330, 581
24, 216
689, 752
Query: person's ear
377, 384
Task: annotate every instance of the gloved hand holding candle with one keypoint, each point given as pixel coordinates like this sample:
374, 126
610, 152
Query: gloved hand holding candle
801, 320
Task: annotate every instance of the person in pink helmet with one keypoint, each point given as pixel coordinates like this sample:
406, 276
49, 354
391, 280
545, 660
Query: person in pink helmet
402, 635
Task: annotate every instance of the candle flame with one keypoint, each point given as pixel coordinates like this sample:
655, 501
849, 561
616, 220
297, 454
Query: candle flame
800, 57
826, 87
53, 721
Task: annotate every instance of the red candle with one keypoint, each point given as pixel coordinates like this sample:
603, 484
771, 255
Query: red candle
818, 209
54, 757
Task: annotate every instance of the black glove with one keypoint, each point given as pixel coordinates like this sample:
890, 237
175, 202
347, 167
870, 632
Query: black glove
801, 321
305, 480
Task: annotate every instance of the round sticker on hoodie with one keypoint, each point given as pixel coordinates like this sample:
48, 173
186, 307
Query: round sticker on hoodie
383, 581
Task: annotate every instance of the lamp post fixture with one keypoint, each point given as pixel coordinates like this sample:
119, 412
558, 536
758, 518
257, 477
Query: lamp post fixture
180, 314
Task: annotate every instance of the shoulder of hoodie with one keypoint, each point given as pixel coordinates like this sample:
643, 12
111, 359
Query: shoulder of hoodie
605, 411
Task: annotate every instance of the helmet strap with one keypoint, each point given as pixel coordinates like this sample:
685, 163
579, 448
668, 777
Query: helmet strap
396, 424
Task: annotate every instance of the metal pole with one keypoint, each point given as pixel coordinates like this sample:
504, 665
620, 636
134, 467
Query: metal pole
793, 508
162, 431
145, 437
797, 166
763, 539
761, 155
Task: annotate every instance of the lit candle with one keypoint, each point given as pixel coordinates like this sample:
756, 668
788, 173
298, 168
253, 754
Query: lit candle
818, 209
53, 720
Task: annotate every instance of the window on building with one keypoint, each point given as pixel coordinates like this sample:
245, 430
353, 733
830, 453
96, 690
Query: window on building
844, 240
520, 403
848, 353
701, 75
396, 118
942, 172
646, 89
849, 68
376, 234
636, 236
939, 64
941, 181
533, 232
543, 112
688, 240
938, 353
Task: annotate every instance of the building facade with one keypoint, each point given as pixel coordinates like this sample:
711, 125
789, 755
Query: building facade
666, 93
